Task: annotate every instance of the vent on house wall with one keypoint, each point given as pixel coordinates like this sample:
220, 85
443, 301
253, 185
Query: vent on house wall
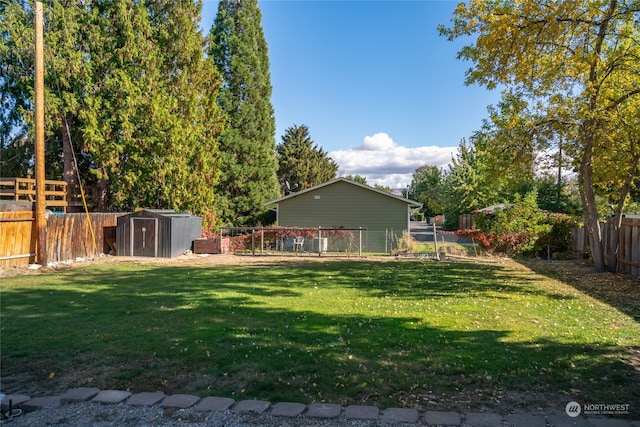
316, 197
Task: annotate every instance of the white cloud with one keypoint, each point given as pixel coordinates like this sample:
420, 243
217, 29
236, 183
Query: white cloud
382, 161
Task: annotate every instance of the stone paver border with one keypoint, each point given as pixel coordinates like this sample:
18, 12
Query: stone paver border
313, 410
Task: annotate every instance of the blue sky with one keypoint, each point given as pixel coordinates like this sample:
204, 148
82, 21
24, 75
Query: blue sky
377, 86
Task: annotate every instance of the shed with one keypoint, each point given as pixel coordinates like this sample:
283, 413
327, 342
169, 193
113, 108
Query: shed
157, 233
343, 203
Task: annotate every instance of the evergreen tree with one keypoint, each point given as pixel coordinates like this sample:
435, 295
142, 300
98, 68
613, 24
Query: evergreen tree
129, 86
357, 178
16, 93
248, 172
156, 114
301, 163
384, 188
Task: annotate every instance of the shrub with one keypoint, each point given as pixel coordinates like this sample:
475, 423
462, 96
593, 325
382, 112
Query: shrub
558, 237
406, 244
522, 228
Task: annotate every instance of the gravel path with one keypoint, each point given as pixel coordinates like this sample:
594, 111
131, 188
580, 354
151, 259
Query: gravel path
87, 414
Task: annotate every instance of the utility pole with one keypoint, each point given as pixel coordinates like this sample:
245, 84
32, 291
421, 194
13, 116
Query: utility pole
41, 206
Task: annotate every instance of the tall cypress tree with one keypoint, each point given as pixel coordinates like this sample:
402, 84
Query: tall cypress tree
248, 173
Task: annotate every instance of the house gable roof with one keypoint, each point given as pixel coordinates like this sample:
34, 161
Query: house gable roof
411, 203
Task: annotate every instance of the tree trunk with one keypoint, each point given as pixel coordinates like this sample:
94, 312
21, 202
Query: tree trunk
102, 193
591, 218
69, 174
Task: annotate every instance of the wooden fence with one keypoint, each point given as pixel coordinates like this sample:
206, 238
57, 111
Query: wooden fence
68, 237
629, 244
57, 194
465, 221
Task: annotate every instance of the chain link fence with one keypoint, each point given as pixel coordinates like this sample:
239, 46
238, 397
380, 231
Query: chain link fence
309, 241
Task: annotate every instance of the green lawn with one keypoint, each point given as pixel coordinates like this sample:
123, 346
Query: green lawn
353, 331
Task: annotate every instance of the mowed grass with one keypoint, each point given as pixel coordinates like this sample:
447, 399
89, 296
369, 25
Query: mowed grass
377, 332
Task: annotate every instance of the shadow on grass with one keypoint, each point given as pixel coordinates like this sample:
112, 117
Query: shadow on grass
239, 332
621, 291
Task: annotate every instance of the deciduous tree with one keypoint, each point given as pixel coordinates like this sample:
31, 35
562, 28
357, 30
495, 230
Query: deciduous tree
464, 187
576, 64
425, 186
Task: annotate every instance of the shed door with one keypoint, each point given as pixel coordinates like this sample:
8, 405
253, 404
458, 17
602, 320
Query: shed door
144, 237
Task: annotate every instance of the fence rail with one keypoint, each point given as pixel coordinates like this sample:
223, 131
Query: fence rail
58, 194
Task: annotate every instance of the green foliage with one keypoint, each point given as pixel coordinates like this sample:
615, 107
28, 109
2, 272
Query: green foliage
562, 197
248, 162
555, 239
384, 188
128, 85
425, 185
357, 178
523, 228
571, 73
301, 163
467, 185
509, 141
17, 90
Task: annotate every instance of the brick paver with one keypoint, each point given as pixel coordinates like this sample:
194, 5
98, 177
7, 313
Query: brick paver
314, 410
146, 398
440, 418
253, 406
324, 410
80, 394
180, 401
525, 420
13, 400
362, 412
402, 415
111, 397
288, 409
43, 402
217, 404
480, 419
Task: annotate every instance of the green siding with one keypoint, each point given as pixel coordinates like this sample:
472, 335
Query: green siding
345, 205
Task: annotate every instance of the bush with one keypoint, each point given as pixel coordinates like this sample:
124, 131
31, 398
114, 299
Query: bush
522, 228
558, 238
406, 244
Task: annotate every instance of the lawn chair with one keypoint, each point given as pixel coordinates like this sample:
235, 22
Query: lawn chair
297, 243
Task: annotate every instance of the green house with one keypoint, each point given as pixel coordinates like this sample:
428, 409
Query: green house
342, 204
